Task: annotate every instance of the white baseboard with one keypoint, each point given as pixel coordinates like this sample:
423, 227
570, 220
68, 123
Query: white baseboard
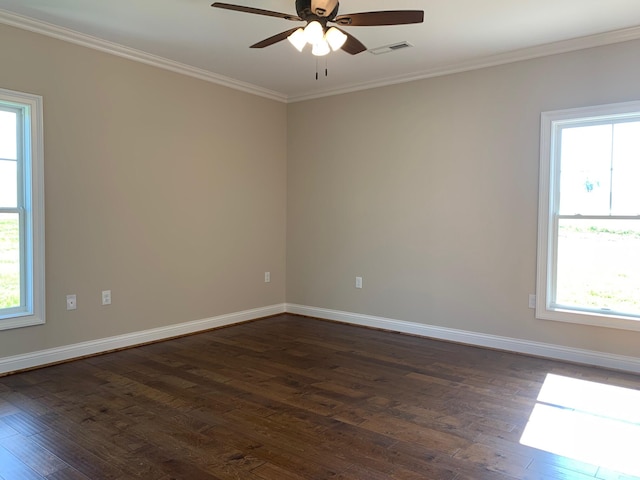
556, 352
77, 350
93, 347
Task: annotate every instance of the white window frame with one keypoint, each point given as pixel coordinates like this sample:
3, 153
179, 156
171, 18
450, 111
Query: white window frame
31, 206
549, 189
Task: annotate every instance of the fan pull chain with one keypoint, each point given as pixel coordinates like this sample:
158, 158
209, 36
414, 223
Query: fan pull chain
326, 69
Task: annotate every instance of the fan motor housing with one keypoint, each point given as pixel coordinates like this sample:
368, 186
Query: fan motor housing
316, 9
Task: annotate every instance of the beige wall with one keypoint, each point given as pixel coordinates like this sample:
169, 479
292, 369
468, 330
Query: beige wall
168, 190
176, 194
428, 190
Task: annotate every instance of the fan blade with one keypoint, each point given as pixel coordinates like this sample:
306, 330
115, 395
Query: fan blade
275, 39
352, 46
390, 17
257, 11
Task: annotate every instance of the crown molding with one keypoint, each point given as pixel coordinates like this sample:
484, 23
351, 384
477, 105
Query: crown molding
565, 46
71, 36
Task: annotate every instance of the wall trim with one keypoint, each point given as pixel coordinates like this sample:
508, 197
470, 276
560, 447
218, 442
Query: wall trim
68, 35
84, 40
93, 347
69, 352
513, 56
546, 350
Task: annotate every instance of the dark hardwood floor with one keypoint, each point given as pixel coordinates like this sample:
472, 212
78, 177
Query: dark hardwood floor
285, 398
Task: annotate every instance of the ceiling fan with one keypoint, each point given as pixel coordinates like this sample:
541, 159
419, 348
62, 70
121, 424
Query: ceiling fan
317, 14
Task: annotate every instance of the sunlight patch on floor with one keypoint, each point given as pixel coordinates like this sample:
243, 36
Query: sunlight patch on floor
587, 421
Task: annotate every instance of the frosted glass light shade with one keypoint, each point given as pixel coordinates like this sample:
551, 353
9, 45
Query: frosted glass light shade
321, 48
298, 39
335, 38
314, 32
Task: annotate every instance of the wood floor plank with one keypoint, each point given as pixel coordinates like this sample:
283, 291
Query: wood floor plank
11, 468
80, 457
286, 398
32, 455
67, 474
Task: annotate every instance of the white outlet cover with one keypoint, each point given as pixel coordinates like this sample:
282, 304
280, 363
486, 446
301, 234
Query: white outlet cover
106, 297
72, 304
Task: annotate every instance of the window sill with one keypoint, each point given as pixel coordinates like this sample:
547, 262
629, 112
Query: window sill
594, 319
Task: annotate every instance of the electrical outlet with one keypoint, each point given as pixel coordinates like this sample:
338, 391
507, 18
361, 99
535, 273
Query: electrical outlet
358, 282
106, 297
532, 300
71, 302
267, 277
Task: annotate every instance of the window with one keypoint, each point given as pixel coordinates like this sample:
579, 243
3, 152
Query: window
589, 216
21, 210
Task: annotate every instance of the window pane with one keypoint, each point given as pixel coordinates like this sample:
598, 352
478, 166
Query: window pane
599, 265
585, 177
8, 183
9, 260
8, 137
626, 169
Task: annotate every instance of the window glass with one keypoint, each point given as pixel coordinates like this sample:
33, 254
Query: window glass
8, 183
8, 144
598, 265
626, 169
9, 260
585, 174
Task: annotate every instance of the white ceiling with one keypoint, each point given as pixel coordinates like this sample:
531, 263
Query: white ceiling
213, 43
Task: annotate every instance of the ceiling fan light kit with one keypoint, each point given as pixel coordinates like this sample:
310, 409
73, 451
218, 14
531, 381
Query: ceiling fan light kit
322, 43
317, 13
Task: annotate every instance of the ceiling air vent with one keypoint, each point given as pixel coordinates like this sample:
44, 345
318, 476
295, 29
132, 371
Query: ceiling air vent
390, 48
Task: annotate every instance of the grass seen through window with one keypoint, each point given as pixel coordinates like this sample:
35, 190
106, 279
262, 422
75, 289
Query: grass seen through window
599, 265
9, 261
